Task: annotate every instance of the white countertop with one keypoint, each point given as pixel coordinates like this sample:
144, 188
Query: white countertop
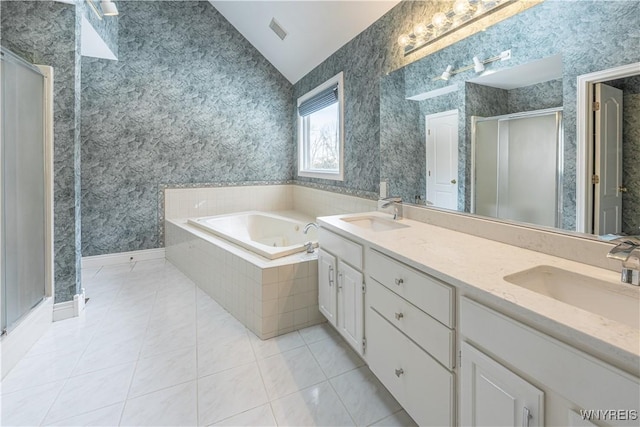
477, 267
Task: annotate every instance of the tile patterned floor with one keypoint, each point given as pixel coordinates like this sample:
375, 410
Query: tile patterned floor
153, 349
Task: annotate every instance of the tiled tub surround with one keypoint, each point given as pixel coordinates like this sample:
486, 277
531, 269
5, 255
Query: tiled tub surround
270, 297
218, 200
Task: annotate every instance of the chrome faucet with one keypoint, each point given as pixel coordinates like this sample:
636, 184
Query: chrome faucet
309, 245
397, 205
628, 252
308, 226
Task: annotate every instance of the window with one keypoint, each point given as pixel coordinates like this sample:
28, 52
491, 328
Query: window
321, 131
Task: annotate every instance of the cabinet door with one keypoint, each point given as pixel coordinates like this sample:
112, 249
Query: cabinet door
350, 305
494, 396
327, 285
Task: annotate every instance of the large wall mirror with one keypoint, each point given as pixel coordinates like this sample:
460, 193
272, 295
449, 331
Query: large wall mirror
495, 135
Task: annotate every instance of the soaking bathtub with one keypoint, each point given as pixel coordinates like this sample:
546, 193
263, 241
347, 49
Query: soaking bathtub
267, 234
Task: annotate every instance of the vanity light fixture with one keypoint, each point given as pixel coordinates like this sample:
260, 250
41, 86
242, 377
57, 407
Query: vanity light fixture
478, 66
420, 30
439, 20
447, 73
109, 8
462, 13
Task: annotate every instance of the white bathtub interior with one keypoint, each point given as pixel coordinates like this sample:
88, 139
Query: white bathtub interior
269, 234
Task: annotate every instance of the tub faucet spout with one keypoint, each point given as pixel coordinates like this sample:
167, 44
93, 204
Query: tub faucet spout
308, 226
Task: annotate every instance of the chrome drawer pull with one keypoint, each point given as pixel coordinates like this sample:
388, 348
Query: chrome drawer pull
399, 316
399, 282
330, 275
339, 281
399, 372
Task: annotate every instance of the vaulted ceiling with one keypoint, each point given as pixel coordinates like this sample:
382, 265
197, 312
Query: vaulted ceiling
315, 28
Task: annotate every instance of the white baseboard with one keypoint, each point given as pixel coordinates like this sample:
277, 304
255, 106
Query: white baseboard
69, 309
122, 258
19, 340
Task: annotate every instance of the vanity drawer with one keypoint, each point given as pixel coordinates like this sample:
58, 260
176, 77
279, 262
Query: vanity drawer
431, 335
428, 294
423, 387
348, 251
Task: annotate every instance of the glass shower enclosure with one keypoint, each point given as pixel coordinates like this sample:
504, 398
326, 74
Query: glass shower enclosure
517, 167
22, 209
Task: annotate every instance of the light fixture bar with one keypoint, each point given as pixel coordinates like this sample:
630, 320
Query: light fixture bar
450, 21
446, 75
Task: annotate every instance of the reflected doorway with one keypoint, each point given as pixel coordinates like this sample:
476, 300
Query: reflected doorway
591, 218
442, 159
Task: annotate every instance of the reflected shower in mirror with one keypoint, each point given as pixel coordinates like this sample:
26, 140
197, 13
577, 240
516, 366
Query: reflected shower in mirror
430, 147
516, 167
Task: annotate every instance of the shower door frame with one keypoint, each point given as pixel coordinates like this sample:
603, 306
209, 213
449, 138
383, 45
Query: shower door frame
559, 154
47, 73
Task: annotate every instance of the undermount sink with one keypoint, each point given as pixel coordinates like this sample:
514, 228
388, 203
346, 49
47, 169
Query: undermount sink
610, 299
374, 223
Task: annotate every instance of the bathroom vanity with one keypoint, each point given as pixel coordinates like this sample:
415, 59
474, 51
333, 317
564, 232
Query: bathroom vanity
468, 331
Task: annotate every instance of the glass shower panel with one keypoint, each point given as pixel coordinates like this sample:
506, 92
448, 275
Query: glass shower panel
23, 193
528, 162
486, 168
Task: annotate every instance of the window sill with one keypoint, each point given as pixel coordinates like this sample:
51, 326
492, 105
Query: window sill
331, 176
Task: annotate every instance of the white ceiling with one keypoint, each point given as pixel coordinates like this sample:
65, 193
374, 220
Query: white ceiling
316, 28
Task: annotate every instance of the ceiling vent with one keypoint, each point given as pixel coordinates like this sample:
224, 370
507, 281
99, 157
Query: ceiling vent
277, 28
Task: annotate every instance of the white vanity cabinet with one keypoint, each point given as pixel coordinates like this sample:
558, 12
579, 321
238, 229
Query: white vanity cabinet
327, 299
410, 338
521, 367
492, 395
341, 286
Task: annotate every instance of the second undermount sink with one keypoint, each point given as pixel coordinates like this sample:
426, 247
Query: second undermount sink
610, 299
374, 223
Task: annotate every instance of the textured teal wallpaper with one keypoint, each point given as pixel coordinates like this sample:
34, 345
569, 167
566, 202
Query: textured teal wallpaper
189, 100
44, 32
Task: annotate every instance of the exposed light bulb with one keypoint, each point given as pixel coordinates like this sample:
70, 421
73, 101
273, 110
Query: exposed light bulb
404, 40
478, 66
420, 30
461, 7
446, 75
439, 20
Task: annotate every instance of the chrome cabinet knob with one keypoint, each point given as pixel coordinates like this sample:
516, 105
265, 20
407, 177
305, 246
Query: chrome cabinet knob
399, 282
399, 316
399, 372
